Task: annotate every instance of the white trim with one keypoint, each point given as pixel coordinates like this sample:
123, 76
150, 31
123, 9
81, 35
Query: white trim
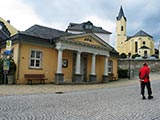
78, 63
34, 67
81, 48
93, 66
59, 66
106, 66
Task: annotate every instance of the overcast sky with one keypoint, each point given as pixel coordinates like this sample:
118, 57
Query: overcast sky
141, 14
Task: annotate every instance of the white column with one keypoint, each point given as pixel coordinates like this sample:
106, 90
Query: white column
106, 66
59, 66
93, 67
78, 63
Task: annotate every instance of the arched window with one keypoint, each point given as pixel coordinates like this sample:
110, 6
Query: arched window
145, 53
136, 47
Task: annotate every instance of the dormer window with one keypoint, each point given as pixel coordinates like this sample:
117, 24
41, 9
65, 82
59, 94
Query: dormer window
88, 26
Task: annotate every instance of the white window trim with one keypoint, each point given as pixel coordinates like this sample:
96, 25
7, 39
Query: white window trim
34, 67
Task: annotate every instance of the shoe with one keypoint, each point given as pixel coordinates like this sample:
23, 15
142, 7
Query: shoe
143, 98
150, 97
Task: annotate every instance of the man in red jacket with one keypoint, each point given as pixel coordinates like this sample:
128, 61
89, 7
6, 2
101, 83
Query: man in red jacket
144, 79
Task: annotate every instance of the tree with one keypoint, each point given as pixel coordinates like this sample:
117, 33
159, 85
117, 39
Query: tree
135, 55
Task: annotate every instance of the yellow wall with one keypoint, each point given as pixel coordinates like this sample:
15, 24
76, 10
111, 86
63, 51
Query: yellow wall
120, 44
120, 23
99, 67
49, 62
121, 36
68, 55
115, 66
149, 42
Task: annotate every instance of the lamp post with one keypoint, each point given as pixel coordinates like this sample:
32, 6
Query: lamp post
129, 64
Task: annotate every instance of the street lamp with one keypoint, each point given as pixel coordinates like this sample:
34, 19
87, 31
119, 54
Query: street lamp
129, 61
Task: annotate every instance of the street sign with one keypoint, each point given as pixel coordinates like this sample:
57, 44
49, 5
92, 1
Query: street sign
6, 65
8, 45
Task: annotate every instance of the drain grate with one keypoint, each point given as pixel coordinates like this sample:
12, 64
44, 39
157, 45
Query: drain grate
59, 92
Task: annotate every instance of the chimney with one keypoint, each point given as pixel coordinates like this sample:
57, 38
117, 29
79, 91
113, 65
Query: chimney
8, 21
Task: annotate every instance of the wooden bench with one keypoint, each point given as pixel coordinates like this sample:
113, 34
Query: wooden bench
35, 77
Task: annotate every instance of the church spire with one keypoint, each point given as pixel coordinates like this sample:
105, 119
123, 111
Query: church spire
121, 14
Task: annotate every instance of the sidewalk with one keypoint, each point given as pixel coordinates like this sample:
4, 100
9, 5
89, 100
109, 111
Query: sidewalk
52, 88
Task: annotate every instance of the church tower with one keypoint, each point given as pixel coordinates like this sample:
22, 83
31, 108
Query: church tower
121, 32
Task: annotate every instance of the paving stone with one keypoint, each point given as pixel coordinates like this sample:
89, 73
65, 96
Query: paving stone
110, 103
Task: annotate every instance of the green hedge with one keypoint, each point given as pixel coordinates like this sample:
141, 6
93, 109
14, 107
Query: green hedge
122, 73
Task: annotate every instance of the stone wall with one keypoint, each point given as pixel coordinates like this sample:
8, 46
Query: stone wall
135, 65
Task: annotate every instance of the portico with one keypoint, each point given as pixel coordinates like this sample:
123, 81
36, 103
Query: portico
85, 61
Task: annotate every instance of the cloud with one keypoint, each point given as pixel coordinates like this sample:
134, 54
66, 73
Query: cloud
140, 14
21, 16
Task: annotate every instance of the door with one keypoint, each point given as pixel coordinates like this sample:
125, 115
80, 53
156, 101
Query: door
84, 59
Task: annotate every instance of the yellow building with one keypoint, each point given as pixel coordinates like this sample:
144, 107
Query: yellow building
62, 56
6, 28
141, 43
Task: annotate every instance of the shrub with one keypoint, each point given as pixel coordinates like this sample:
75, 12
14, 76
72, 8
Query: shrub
12, 68
123, 55
122, 73
135, 55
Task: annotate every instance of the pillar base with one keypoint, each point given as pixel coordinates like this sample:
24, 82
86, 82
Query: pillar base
105, 78
92, 78
77, 78
59, 78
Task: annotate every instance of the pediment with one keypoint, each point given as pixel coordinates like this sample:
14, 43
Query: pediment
88, 38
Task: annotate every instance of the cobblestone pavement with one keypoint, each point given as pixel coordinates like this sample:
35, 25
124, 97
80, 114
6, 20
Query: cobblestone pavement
110, 103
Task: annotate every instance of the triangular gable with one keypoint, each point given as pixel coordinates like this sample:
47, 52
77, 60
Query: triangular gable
88, 38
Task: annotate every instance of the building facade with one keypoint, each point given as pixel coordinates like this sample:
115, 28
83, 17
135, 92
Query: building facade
140, 43
63, 57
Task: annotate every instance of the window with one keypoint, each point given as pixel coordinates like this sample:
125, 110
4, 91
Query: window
110, 66
144, 43
145, 53
88, 39
121, 28
35, 59
136, 47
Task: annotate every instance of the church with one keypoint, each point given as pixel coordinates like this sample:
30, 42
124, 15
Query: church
140, 44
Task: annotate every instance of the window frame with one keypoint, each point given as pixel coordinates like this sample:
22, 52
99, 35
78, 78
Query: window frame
110, 66
35, 58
